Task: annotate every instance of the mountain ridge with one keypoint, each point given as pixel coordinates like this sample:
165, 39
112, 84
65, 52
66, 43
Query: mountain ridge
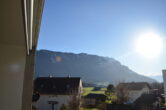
91, 68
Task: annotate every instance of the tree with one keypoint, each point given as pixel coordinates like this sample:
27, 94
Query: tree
122, 94
110, 87
74, 104
109, 92
63, 107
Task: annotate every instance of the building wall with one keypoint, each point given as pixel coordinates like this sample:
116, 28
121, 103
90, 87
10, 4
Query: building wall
12, 65
16, 66
164, 81
42, 103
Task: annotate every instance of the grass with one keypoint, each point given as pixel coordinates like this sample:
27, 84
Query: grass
88, 90
89, 109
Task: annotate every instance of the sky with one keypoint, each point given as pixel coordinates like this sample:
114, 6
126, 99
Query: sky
106, 28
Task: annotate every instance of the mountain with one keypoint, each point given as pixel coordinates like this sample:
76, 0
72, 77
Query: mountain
159, 78
91, 68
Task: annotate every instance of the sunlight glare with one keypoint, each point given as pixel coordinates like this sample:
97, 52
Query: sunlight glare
149, 45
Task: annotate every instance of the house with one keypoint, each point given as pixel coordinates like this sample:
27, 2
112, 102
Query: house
164, 81
93, 99
135, 89
96, 88
147, 102
56, 92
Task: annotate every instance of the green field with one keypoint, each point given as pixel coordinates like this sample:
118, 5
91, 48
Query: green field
89, 109
87, 90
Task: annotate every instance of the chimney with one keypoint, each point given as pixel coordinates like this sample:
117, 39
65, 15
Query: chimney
68, 75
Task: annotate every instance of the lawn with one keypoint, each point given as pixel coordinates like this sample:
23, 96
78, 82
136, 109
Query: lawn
89, 109
87, 90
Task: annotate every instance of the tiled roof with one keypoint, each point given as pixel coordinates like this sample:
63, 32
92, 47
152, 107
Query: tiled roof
135, 85
96, 96
57, 85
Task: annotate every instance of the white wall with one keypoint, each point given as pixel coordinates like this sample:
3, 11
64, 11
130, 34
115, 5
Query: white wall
42, 103
164, 79
16, 68
12, 65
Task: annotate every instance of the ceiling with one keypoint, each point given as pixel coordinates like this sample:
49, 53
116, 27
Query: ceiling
12, 29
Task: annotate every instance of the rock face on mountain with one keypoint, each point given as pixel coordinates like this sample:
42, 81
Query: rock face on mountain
91, 68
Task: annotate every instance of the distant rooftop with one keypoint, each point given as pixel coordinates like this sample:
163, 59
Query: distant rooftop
96, 96
135, 85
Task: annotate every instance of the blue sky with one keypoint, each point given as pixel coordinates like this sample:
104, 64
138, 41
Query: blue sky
104, 27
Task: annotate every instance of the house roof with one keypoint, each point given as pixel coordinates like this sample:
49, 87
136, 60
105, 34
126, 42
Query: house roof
95, 96
57, 85
135, 85
146, 99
